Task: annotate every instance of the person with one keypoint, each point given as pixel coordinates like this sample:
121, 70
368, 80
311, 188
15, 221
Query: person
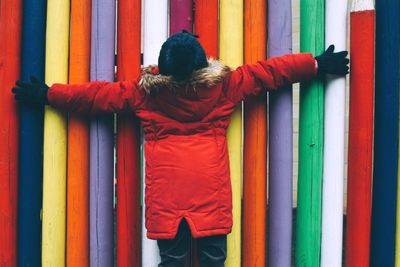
184, 105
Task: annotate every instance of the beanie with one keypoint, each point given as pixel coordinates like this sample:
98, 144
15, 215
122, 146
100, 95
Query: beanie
180, 55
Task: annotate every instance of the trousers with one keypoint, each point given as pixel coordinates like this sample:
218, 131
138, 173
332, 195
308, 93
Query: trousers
173, 252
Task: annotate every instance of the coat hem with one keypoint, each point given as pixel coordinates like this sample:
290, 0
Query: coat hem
195, 234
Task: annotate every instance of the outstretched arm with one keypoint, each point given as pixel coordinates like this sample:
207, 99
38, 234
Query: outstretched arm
270, 74
90, 98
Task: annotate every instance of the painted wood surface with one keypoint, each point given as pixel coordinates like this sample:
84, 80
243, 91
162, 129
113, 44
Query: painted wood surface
10, 29
101, 139
129, 220
255, 142
280, 142
311, 125
31, 138
359, 191
386, 133
55, 138
181, 16
334, 134
155, 34
206, 25
231, 53
78, 140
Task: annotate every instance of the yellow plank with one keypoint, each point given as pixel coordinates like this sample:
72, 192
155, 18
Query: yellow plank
55, 138
231, 53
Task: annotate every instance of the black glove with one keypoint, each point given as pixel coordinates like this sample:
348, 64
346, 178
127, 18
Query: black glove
333, 63
32, 93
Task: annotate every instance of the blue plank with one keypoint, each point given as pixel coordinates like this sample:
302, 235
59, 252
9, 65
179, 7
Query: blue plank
31, 137
386, 133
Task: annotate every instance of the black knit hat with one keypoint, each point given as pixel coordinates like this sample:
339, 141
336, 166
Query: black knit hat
180, 55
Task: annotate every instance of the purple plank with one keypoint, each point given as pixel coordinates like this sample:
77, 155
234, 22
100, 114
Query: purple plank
280, 142
181, 15
101, 139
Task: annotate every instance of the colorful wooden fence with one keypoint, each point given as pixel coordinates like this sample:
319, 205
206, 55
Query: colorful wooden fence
56, 170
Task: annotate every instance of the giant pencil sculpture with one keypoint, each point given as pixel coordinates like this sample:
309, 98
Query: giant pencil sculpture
255, 142
78, 141
31, 138
55, 138
333, 171
101, 139
308, 224
386, 133
129, 220
280, 142
155, 33
10, 29
362, 19
231, 53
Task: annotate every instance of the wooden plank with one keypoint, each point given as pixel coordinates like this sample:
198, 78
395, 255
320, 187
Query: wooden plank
359, 191
101, 139
206, 25
155, 34
78, 140
280, 142
231, 53
55, 138
386, 133
308, 224
334, 134
129, 219
181, 16
10, 30
255, 142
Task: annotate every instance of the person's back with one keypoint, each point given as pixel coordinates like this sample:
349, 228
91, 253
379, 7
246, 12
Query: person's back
184, 106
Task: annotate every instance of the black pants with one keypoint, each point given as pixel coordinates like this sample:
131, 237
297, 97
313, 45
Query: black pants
173, 252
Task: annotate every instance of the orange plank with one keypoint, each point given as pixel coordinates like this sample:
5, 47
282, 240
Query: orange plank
78, 141
255, 143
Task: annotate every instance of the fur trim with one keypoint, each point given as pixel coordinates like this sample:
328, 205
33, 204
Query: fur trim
205, 77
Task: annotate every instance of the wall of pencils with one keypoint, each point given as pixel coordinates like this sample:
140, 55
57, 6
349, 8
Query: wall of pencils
71, 191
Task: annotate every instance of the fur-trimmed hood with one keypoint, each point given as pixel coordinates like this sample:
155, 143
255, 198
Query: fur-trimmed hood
207, 77
188, 100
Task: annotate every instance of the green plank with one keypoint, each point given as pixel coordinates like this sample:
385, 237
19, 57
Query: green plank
311, 130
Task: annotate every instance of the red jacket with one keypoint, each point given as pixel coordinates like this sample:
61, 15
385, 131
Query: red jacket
185, 124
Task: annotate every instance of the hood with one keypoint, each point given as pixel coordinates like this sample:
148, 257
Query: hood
188, 100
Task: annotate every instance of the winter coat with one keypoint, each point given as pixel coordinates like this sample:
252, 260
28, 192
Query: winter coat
185, 125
